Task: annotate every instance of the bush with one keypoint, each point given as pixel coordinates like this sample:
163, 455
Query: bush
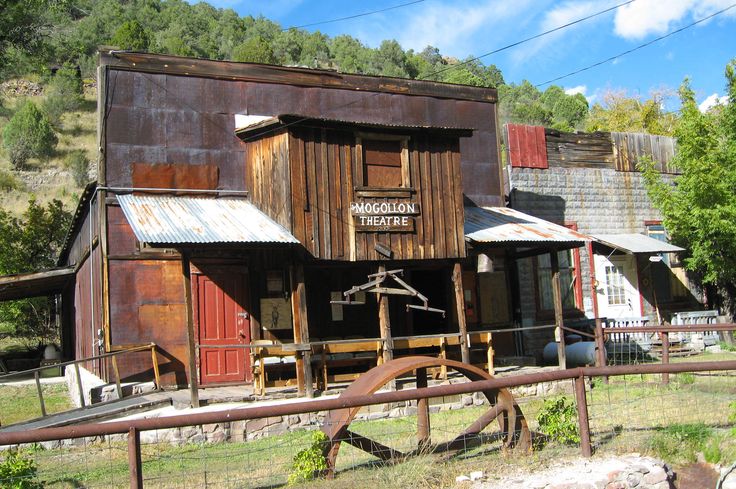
78, 163
680, 443
309, 462
18, 472
27, 135
558, 420
63, 94
8, 182
131, 35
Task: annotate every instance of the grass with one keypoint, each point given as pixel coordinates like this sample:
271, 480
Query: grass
20, 402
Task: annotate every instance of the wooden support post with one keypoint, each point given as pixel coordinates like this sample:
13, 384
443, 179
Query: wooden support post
116, 372
37, 377
79, 386
489, 354
301, 331
665, 355
384, 323
583, 423
134, 459
457, 282
601, 359
156, 373
557, 299
192, 351
423, 427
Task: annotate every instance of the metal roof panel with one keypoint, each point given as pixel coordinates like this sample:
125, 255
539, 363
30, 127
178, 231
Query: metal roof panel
636, 243
179, 219
506, 225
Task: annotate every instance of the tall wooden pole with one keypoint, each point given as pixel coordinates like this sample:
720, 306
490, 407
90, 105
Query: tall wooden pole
384, 323
557, 299
192, 351
301, 331
457, 282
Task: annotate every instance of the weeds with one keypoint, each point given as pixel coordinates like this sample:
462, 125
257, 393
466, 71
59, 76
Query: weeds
558, 420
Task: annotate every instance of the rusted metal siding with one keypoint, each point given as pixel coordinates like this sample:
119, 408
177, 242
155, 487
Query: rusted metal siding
148, 304
325, 173
189, 121
629, 147
526, 146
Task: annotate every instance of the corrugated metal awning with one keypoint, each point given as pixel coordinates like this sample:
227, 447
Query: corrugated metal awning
165, 219
636, 243
508, 226
35, 284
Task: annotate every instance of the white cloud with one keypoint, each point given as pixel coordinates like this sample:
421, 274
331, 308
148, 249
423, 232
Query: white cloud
712, 100
455, 28
556, 17
575, 90
655, 17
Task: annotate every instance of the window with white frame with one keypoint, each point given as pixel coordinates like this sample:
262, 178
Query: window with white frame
615, 285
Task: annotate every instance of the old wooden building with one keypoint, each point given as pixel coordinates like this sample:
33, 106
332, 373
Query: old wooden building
236, 204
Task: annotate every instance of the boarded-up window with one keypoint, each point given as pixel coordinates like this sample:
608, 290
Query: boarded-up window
384, 161
381, 163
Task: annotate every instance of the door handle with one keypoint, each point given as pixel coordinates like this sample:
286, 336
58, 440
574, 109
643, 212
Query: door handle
241, 333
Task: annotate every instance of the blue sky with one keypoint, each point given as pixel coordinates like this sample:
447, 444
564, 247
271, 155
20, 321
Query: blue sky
463, 28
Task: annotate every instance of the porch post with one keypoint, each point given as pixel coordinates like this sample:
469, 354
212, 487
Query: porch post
384, 323
557, 299
192, 352
457, 281
301, 330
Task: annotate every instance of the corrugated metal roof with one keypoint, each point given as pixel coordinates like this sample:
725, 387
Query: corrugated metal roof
179, 219
636, 243
505, 225
247, 124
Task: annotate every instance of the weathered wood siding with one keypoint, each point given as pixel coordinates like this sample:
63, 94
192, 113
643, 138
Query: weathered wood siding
267, 175
576, 149
629, 147
325, 172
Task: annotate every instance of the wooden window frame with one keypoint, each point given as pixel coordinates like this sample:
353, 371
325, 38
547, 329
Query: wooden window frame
577, 277
405, 173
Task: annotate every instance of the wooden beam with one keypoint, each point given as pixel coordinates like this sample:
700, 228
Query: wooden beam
384, 323
557, 299
301, 330
457, 282
192, 351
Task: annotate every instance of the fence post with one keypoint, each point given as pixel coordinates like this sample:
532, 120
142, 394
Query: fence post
665, 355
422, 412
601, 357
37, 376
134, 459
582, 404
79, 385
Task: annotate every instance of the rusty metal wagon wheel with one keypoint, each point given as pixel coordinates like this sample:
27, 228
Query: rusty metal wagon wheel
503, 408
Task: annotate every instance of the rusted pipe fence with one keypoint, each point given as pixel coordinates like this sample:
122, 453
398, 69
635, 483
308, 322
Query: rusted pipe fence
134, 428
120, 350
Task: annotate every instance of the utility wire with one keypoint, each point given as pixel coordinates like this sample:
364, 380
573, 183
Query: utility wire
641, 46
536, 36
353, 16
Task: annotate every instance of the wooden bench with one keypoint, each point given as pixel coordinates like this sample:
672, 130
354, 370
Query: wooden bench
268, 355
344, 353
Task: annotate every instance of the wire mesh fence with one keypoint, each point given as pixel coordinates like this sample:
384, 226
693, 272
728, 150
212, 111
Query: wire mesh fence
632, 412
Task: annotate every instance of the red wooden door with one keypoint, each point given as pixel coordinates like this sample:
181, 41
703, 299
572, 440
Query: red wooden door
223, 319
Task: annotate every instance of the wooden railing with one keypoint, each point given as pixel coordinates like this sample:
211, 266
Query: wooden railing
119, 350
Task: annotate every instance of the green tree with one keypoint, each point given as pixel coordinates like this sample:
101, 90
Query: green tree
63, 94
131, 35
622, 113
29, 243
28, 134
700, 208
254, 50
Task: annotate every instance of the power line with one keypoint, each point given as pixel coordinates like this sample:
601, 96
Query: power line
353, 16
536, 36
641, 46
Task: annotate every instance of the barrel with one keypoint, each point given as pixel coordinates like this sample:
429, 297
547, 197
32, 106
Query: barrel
577, 354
